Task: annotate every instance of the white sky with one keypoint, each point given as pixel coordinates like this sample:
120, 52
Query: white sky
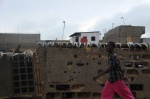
46, 16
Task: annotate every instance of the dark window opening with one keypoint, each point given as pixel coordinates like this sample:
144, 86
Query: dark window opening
96, 95
146, 71
80, 64
21, 64
23, 77
30, 83
99, 63
15, 64
22, 70
87, 63
21, 57
16, 77
63, 87
93, 45
23, 83
15, 71
17, 90
84, 94
29, 64
75, 56
52, 95
30, 76
76, 39
52, 86
93, 38
29, 70
66, 95
99, 55
15, 58
140, 64
137, 87
31, 89
69, 63
24, 89
16, 84
128, 64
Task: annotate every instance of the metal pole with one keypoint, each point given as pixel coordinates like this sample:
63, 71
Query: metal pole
112, 25
123, 20
112, 31
125, 28
63, 29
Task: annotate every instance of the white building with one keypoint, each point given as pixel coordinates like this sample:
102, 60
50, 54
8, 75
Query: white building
145, 40
85, 37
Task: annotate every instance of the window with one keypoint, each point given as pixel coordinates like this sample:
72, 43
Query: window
93, 38
129, 39
76, 39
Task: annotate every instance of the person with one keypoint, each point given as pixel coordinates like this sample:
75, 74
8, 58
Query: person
116, 78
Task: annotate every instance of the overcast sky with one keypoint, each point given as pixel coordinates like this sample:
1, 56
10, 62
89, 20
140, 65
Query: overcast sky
46, 16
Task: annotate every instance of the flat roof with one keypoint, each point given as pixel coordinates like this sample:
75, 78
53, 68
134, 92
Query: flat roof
75, 34
79, 33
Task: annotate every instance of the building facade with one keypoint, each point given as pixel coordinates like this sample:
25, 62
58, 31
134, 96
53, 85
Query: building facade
145, 40
85, 37
124, 34
12, 40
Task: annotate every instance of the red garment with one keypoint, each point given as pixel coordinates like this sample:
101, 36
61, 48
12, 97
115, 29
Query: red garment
119, 87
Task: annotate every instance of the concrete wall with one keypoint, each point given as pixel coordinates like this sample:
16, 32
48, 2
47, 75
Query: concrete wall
66, 73
125, 34
5, 77
12, 40
17, 75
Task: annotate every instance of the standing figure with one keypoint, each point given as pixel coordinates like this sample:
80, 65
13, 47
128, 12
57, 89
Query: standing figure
116, 78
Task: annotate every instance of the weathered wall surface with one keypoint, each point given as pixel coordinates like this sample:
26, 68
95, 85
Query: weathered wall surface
17, 75
66, 73
5, 77
11, 41
125, 34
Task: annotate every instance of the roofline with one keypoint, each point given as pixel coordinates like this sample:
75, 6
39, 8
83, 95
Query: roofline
78, 33
88, 32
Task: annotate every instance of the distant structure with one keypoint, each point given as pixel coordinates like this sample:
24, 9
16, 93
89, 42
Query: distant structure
124, 34
145, 40
12, 40
85, 37
54, 41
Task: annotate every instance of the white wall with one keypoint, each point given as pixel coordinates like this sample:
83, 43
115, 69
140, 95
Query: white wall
89, 35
